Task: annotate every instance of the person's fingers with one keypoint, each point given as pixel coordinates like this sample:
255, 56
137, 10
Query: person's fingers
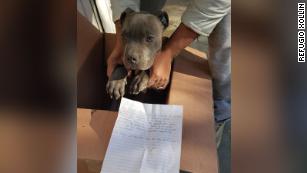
155, 83
110, 69
151, 78
160, 84
152, 81
113, 60
165, 84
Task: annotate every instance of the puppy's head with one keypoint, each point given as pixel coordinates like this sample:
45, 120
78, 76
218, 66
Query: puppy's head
142, 37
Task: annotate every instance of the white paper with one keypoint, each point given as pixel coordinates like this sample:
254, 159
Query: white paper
146, 139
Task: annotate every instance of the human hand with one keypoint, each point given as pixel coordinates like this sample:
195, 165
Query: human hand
114, 59
160, 71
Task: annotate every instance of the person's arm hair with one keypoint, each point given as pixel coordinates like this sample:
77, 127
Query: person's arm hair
181, 38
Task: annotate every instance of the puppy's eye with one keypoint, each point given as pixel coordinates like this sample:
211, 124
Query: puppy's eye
149, 38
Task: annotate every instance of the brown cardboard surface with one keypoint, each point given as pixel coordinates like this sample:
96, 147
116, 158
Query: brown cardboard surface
91, 77
191, 87
94, 129
88, 166
88, 39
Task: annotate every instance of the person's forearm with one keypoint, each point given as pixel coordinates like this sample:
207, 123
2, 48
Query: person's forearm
118, 44
118, 47
182, 37
116, 54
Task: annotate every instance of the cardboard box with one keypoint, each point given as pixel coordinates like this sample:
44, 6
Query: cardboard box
190, 86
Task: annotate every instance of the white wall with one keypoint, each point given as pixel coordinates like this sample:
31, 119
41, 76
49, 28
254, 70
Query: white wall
85, 8
105, 12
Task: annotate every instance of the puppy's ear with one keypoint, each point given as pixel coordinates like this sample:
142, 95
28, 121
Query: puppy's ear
163, 17
124, 14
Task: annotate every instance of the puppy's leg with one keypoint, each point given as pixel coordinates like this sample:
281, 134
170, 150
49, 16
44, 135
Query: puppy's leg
139, 82
117, 82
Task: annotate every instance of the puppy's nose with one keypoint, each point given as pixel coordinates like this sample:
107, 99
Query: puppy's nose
132, 59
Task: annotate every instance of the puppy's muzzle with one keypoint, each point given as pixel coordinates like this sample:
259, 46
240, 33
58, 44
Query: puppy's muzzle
133, 60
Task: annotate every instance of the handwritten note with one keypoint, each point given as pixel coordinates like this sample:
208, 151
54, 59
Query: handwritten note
146, 139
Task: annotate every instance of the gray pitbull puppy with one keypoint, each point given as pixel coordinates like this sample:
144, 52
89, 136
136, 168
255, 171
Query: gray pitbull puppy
142, 40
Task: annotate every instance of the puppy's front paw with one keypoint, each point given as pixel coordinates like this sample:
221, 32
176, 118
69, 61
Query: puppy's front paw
139, 83
116, 88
